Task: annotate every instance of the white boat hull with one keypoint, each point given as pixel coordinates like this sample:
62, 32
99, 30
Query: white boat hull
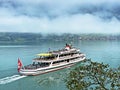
50, 68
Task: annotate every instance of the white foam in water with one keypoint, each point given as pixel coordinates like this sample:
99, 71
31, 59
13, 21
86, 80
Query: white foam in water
10, 79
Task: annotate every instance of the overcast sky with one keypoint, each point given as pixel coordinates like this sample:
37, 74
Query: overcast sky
60, 16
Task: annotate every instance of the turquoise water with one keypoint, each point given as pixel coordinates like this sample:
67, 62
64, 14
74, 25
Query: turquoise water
100, 51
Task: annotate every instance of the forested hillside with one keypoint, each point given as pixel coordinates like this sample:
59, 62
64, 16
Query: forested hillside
22, 38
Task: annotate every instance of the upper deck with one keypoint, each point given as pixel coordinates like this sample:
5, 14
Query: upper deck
58, 55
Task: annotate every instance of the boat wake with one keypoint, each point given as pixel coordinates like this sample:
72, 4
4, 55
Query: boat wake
10, 79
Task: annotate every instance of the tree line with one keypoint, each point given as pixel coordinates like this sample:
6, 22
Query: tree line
37, 37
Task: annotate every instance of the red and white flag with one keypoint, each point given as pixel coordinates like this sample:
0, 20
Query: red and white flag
19, 65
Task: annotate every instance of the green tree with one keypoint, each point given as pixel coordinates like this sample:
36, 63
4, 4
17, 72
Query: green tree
93, 76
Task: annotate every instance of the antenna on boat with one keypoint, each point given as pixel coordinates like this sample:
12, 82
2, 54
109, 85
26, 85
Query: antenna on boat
49, 50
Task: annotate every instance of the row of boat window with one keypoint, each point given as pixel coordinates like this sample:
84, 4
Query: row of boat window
36, 65
48, 57
55, 56
55, 62
67, 54
41, 64
67, 60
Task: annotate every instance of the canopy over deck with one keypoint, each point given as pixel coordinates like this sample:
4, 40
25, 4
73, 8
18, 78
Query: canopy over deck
44, 54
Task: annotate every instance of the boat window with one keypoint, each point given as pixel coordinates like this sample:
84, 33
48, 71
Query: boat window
55, 62
47, 57
67, 54
68, 60
41, 64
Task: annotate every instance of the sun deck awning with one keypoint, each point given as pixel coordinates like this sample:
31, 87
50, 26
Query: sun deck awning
44, 54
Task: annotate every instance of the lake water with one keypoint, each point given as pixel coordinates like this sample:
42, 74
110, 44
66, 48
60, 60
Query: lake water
100, 51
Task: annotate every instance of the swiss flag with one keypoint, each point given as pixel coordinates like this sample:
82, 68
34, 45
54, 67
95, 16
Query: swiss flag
19, 64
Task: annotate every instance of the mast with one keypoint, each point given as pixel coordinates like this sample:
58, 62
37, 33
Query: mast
58, 57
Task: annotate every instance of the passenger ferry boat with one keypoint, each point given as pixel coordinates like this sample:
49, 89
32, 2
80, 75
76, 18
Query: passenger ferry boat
52, 61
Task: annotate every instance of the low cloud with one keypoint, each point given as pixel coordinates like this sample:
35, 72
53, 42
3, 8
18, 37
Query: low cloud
51, 16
